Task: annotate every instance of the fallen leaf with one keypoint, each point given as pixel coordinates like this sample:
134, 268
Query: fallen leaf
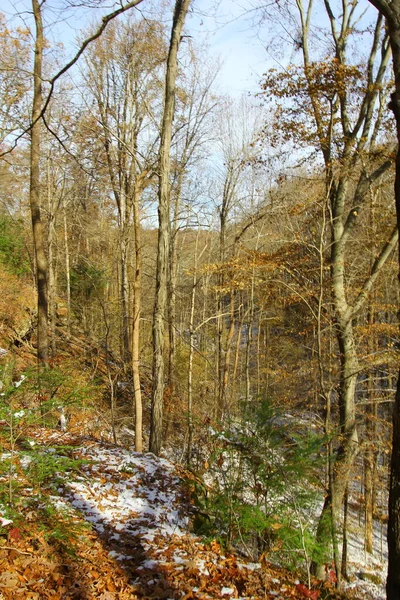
14, 535
307, 593
9, 580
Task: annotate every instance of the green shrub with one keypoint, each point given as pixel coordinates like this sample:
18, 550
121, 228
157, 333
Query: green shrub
263, 487
32, 400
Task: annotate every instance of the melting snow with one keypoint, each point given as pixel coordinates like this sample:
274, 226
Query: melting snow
136, 498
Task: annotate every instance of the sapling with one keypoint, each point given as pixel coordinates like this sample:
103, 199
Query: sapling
264, 485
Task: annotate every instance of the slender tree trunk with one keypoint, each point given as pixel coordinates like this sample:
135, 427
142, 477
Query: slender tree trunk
370, 453
124, 246
393, 578
258, 354
52, 286
51, 261
125, 317
172, 316
190, 365
249, 342
67, 270
157, 401
235, 375
369, 489
137, 307
226, 361
173, 271
34, 194
345, 546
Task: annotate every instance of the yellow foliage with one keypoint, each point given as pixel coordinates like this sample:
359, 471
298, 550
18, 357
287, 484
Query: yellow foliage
17, 305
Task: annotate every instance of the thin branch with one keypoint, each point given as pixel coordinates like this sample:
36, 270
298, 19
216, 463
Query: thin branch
364, 184
71, 154
376, 269
104, 22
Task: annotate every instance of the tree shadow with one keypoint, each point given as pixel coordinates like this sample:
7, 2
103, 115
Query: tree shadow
126, 545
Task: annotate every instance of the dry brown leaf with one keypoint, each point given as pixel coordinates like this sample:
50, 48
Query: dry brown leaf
110, 586
8, 580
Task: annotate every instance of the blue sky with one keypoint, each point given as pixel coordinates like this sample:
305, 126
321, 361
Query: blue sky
224, 24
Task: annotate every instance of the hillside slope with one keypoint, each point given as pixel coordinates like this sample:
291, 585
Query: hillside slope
138, 544
81, 518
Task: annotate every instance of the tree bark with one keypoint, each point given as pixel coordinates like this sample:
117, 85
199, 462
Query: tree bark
67, 269
391, 12
393, 578
34, 194
163, 244
192, 332
137, 309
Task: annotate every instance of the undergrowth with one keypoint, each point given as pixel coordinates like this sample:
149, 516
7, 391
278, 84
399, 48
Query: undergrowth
262, 489
30, 473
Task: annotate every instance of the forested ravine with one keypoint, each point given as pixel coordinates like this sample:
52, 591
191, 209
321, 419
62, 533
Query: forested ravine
208, 276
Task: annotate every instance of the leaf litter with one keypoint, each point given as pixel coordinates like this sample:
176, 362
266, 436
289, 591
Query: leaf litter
139, 544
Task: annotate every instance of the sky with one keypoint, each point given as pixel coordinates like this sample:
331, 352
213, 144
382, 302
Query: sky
225, 25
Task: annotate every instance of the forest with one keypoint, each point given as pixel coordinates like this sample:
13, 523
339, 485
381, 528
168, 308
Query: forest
204, 278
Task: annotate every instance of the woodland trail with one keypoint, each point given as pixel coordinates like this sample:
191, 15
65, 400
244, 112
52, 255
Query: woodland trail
138, 545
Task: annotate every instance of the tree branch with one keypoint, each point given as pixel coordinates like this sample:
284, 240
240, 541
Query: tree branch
376, 269
104, 22
363, 185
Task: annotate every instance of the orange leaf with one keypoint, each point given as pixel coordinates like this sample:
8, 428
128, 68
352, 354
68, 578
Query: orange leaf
307, 593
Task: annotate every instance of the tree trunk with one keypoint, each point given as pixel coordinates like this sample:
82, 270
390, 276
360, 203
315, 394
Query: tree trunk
392, 13
67, 270
249, 341
125, 318
345, 546
51, 208
190, 363
137, 307
348, 441
370, 452
225, 358
172, 278
157, 400
34, 194
235, 375
393, 578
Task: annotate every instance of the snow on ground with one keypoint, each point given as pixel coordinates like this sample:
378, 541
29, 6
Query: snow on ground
368, 570
136, 493
136, 501
136, 504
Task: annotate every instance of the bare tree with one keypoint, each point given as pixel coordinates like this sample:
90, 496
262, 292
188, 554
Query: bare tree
180, 11
345, 134
39, 107
34, 194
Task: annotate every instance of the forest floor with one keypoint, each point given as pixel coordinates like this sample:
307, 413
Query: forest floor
120, 529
